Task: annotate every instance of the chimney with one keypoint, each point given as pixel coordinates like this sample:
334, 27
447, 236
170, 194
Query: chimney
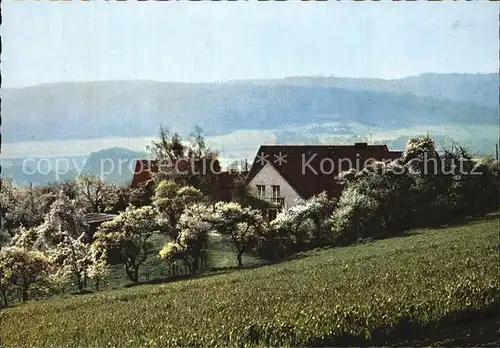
360, 146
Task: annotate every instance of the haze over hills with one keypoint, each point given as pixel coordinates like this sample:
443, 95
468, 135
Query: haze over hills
238, 116
480, 89
114, 165
136, 108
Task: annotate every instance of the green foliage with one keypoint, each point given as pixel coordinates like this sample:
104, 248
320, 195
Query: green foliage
463, 187
424, 188
315, 300
129, 235
169, 146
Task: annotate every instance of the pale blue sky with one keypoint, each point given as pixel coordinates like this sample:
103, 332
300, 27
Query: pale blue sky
75, 41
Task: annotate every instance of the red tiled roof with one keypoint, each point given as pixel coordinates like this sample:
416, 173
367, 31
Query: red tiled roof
143, 171
308, 168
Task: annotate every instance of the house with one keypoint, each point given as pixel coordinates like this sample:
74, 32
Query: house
282, 174
143, 172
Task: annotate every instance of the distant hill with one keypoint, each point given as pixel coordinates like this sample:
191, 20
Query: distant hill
39, 171
136, 108
479, 89
115, 165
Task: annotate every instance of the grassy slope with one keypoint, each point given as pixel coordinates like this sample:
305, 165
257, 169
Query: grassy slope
418, 280
220, 256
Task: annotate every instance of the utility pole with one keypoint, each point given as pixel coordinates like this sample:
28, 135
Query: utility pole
496, 151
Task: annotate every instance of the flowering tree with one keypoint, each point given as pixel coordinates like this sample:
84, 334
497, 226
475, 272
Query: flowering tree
74, 258
170, 199
129, 234
97, 194
98, 267
304, 219
66, 218
194, 225
419, 153
25, 238
238, 226
19, 206
22, 270
173, 251
63, 236
352, 217
375, 202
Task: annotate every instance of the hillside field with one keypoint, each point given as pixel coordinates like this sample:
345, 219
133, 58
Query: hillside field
428, 279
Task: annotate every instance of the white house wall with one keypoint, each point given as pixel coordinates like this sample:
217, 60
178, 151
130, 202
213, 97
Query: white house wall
269, 176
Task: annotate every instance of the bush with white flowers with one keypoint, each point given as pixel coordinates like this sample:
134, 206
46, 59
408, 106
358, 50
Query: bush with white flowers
304, 221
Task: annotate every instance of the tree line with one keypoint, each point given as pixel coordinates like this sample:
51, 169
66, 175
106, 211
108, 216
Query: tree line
47, 243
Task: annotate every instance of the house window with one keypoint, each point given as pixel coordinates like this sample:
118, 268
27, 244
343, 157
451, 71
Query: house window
276, 191
271, 214
261, 191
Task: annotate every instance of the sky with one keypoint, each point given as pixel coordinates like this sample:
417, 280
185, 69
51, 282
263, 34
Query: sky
201, 42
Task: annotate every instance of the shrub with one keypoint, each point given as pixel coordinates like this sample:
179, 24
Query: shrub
297, 228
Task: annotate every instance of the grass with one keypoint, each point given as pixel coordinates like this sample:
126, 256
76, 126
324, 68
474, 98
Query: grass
220, 256
426, 279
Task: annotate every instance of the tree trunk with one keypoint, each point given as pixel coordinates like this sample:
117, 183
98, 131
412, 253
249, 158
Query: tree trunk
136, 275
24, 294
97, 284
79, 282
239, 257
317, 230
196, 263
133, 274
4, 298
